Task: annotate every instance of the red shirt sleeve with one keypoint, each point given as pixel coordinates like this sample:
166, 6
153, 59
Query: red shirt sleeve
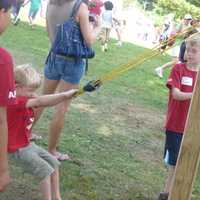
7, 85
174, 79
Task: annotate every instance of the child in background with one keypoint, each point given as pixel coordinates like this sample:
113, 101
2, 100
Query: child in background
20, 116
118, 21
107, 23
7, 93
181, 84
15, 11
34, 8
94, 11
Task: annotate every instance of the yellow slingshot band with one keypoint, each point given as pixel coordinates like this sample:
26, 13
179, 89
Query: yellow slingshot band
155, 51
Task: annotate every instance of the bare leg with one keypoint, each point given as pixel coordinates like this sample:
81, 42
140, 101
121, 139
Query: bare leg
55, 187
45, 187
103, 39
57, 122
30, 20
119, 37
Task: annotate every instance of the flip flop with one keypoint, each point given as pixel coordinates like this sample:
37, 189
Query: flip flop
35, 137
61, 156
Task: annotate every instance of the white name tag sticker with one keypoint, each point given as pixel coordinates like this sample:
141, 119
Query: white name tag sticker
187, 81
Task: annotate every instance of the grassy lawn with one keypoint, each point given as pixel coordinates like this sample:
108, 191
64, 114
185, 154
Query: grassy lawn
114, 134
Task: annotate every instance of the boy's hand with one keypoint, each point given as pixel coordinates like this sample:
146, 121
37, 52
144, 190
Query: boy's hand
70, 93
4, 180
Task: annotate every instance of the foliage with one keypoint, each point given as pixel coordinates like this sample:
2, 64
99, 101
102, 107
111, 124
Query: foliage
178, 7
194, 2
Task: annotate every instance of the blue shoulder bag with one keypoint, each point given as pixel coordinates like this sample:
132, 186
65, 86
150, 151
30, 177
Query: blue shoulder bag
69, 40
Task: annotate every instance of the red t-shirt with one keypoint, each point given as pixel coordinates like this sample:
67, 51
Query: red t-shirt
7, 85
184, 79
97, 8
20, 120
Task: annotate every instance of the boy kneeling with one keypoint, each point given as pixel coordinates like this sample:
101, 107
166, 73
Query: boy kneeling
32, 158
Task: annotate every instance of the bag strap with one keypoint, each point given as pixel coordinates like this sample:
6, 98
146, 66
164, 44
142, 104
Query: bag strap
75, 8
73, 14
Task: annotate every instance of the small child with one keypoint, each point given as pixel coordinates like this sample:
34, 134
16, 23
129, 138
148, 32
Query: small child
107, 23
32, 158
34, 8
181, 84
94, 8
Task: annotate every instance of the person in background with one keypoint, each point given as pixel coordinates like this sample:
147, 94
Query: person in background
34, 8
94, 11
186, 23
118, 21
15, 11
107, 23
7, 94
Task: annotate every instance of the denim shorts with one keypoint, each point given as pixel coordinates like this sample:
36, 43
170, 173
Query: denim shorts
172, 147
68, 69
35, 161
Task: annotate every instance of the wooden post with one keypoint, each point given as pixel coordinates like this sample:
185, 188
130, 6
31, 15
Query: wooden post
188, 159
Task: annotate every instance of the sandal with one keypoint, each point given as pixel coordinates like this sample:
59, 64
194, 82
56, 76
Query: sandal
61, 156
35, 137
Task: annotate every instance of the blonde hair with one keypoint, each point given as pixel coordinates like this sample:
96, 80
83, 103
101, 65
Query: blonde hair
194, 39
25, 75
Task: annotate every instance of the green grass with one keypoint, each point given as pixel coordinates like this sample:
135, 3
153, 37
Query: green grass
114, 134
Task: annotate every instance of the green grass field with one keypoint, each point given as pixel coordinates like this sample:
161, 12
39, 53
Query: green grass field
115, 134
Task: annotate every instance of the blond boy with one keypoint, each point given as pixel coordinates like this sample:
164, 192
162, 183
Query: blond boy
180, 83
32, 158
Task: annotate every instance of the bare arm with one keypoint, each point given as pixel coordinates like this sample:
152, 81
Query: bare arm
50, 100
181, 96
4, 172
89, 34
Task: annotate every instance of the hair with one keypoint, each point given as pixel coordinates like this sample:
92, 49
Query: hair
193, 40
25, 75
6, 4
108, 5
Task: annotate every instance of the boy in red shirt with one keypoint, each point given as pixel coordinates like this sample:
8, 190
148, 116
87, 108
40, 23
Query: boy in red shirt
7, 93
181, 83
20, 116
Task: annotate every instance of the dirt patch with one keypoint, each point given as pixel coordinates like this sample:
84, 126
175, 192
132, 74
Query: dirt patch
146, 127
139, 117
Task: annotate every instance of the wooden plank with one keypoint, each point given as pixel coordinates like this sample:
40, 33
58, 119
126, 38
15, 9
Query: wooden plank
188, 159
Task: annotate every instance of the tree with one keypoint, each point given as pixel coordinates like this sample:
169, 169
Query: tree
194, 2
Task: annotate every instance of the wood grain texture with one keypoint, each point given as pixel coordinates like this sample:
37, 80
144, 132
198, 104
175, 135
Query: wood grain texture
188, 159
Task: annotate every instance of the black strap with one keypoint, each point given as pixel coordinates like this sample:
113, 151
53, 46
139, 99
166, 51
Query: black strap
75, 8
